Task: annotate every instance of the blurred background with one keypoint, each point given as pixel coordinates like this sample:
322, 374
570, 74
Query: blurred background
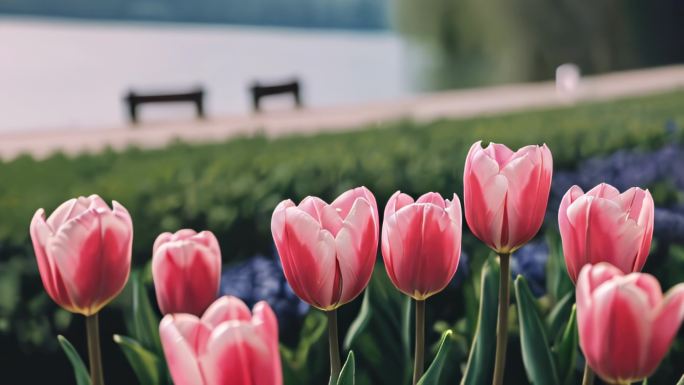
391, 96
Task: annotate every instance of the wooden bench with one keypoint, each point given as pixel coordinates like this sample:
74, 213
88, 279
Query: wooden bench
260, 91
134, 100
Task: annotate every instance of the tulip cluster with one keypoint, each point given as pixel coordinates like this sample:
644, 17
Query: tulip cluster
328, 252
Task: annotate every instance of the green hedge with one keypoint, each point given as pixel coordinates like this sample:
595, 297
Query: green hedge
232, 187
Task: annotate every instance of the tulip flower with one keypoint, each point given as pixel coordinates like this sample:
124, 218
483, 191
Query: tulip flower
186, 268
83, 252
626, 325
421, 246
504, 196
421, 243
328, 251
228, 345
505, 193
606, 226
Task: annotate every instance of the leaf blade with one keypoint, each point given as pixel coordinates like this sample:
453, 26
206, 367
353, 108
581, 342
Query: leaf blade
80, 370
537, 358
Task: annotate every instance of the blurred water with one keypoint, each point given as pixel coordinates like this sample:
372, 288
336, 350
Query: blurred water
67, 74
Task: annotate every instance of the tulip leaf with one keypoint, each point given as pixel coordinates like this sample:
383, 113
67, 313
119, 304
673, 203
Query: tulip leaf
565, 349
80, 370
360, 322
145, 320
480, 364
558, 283
558, 315
145, 364
381, 340
434, 372
537, 357
681, 380
348, 373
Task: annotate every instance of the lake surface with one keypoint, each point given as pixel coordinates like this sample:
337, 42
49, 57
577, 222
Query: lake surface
74, 75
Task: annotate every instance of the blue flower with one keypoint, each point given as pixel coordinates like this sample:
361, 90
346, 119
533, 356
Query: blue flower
530, 262
261, 278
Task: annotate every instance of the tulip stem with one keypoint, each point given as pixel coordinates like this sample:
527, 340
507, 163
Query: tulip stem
502, 321
334, 344
419, 358
94, 355
588, 378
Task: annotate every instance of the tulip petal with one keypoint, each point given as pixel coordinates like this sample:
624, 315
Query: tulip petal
226, 308
235, 356
668, 318
267, 327
67, 211
356, 246
49, 274
181, 336
309, 261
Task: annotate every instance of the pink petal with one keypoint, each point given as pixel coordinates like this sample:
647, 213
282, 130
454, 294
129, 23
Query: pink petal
499, 153
181, 335
573, 239
356, 247
604, 190
226, 308
278, 222
67, 211
396, 202
49, 274
432, 198
235, 356
266, 326
668, 319
309, 261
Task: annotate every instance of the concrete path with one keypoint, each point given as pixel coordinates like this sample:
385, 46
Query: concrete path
452, 104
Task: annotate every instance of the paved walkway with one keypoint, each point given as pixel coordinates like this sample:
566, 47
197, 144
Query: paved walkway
452, 104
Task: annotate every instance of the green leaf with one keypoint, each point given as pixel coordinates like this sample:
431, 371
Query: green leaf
360, 322
144, 319
565, 350
681, 380
80, 370
145, 364
384, 341
558, 283
348, 373
537, 358
480, 364
559, 314
432, 375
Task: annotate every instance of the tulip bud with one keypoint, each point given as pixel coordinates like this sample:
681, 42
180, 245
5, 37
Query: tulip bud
606, 226
186, 268
421, 242
228, 345
625, 323
328, 250
83, 252
505, 193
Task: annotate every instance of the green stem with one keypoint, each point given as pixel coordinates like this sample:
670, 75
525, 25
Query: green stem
419, 357
588, 378
502, 321
94, 355
334, 344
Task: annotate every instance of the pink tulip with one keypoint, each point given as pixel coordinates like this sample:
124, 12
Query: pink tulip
625, 323
606, 226
227, 346
84, 252
328, 250
186, 267
505, 193
421, 242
